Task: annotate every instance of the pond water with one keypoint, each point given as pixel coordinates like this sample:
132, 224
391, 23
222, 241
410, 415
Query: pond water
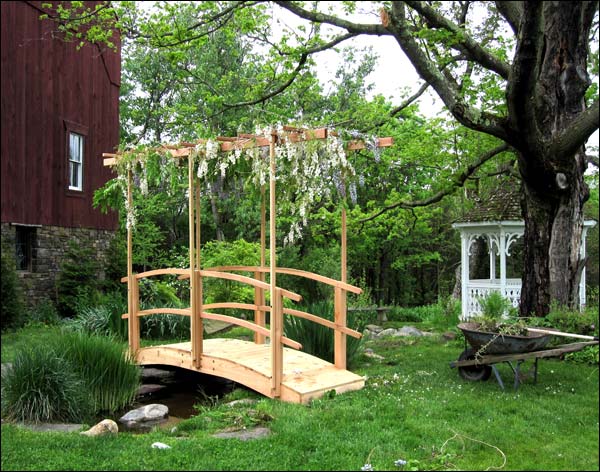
181, 390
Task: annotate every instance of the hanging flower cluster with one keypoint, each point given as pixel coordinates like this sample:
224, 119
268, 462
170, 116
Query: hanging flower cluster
308, 171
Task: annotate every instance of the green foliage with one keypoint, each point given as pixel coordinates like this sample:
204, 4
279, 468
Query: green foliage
317, 339
44, 312
12, 305
68, 377
223, 253
101, 316
441, 316
110, 377
494, 306
165, 327
77, 279
43, 386
574, 321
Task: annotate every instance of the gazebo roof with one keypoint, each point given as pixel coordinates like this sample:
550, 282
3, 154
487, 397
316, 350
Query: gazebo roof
502, 203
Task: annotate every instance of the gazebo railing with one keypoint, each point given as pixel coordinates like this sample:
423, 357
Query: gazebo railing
481, 288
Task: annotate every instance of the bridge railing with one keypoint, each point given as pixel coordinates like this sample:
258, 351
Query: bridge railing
259, 307
134, 331
340, 290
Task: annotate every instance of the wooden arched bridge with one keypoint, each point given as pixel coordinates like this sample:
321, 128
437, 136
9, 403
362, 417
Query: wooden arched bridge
277, 368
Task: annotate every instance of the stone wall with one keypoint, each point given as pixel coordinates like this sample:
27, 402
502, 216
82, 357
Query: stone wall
51, 245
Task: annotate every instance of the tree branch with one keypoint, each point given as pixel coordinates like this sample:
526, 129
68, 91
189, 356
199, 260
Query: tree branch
318, 17
593, 160
458, 182
577, 132
295, 72
465, 44
512, 12
471, 117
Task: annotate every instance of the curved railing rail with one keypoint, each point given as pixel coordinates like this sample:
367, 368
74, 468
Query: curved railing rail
184, 273
259, 307
339, 304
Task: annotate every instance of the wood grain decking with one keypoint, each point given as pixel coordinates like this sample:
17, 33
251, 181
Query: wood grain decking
305, 377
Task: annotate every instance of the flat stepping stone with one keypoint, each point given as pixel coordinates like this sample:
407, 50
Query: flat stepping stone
46, 427
244, 434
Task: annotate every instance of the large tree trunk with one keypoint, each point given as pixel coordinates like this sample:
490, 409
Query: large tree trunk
553, 228
554, 190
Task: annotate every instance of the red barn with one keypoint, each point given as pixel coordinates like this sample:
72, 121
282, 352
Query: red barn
60, 111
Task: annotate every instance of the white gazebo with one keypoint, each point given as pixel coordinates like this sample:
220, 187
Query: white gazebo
498, 224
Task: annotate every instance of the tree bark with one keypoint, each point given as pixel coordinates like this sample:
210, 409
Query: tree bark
554, 190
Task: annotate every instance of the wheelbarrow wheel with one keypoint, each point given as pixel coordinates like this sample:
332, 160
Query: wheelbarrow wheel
473, 372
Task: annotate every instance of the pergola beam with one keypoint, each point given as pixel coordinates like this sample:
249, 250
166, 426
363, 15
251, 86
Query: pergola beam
246, 141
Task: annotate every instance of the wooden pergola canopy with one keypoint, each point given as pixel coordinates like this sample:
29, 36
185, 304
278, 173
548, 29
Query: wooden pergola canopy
246, 141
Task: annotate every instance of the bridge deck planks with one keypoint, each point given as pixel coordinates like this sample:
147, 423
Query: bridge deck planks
304, 376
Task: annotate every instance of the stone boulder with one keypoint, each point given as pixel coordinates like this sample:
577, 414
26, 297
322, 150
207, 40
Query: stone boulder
145, 417
102, 428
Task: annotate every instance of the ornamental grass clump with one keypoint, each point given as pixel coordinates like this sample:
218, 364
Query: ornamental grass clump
42, 387
71, 377
110, 376
317, 339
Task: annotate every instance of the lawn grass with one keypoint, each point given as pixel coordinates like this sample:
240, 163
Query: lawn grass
414, 407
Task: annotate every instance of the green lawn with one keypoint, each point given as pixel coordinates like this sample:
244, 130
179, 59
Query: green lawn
414, 407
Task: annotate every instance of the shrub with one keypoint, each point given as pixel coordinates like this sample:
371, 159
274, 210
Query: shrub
165, 326
12, 298
77, 279
317, 339
444, 315
44, 312
102, 317
573, 321
494, 306
42, 386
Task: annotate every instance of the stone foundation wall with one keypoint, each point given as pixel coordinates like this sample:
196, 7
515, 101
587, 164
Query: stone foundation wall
51, 245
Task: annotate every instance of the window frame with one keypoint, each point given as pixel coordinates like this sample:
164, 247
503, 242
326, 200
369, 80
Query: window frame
72, 128
26, 239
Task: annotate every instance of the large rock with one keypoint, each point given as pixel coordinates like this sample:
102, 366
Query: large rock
102, 428
145, 416
161, 375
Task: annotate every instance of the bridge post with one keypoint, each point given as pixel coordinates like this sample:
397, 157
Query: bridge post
259, 314
276, 345
133, 322
339, 339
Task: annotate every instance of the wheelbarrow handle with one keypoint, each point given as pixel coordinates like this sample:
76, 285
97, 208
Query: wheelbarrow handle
560, 333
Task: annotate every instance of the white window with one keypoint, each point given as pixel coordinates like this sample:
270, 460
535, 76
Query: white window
76, 161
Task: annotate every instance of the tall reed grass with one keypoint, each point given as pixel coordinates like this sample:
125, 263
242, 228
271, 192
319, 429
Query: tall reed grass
42, 386
317, 339
110, 376
73, 376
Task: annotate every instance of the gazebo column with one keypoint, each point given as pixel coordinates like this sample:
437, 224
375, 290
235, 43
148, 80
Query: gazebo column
464, 244
492, 258
502, 250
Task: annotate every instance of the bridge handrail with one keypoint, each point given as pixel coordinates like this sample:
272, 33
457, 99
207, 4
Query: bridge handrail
151, 273
322, 321
287, 311
215, 316
296, 272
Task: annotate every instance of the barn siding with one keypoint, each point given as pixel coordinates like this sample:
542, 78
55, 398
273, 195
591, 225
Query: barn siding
45, 84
